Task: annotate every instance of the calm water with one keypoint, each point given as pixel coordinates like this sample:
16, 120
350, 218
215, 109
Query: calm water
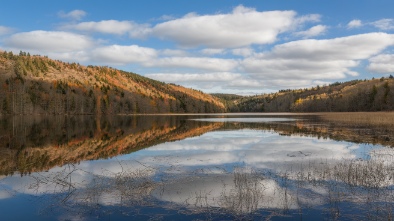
211, 167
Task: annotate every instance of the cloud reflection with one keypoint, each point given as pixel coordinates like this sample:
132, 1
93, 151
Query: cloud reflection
236, 193
257, 149
239, 171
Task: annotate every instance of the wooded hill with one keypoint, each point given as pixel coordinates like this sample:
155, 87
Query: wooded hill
356, 95
39, 85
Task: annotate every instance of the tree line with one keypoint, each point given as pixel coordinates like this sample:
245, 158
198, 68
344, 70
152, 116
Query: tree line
356, 95
38, 85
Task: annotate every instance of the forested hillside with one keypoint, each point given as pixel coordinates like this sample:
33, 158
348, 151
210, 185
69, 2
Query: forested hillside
39, 85
357, 95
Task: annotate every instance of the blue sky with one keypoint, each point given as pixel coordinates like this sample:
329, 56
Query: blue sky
226, 46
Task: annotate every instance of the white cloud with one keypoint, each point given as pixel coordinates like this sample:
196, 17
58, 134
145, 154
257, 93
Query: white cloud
205, 77
242, 27
316, 59
258, 86
312, 32
245, 52
201, 63
73, 15
201, 81
166, 17
5, 30
245, 83
384, 24
77, 56
295, 64
173, 52
212, 51
111, 27
354, 23
352, 47
49, 41
383, 63
307, 18
118, 54
274, 84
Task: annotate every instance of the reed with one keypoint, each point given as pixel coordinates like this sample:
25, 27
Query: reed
365, 186
376, 119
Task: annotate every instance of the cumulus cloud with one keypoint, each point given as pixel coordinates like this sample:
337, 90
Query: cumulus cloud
245, 83
49, 41
173, 52
77, 56
312, 32
73, 15
345, 48
194, 77
272, 85
383, 63
201, 63
5, 30
316, 59
354, 23
384, 24
302, 63
110, 27
242, 27
118, 54
166, 17
307, 18
201, 81
212, 51
244, 52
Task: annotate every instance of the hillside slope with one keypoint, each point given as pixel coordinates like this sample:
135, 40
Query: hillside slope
357, 95
39, 85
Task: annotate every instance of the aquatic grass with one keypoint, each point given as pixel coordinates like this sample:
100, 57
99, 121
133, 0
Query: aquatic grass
337, 188
381, 119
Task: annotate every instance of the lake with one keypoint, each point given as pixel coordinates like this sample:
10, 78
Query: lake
195, 167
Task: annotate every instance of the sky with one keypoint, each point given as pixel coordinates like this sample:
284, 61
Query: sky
222, 46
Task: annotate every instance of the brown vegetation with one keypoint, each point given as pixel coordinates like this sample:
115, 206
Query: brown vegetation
368, 119
39, 85
352, 96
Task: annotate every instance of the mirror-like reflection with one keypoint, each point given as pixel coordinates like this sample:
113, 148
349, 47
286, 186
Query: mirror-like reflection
177, 168
40, 143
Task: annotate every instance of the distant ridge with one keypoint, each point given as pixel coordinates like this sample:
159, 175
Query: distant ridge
356, 95
39, 85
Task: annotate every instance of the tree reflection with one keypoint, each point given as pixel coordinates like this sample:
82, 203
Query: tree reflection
284, 176
38, 143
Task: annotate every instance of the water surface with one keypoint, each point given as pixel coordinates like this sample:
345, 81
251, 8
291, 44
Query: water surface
191, 167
